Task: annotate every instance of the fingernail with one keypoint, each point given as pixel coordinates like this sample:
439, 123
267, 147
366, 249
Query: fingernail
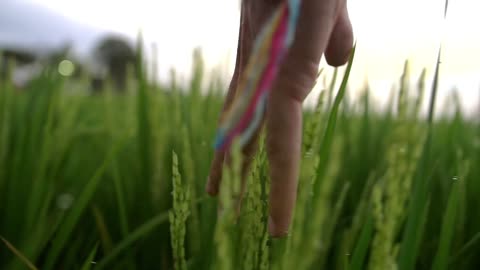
275, 230
210, 188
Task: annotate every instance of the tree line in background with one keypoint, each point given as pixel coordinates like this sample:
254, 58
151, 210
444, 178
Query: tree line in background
112, 56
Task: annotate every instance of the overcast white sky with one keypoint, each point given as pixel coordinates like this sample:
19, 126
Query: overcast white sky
388, 32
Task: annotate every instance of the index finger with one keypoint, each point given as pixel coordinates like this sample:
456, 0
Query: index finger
284, 112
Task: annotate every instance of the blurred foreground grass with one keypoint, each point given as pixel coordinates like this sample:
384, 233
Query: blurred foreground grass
117, 182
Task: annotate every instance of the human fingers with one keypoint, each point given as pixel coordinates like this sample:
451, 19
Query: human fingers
341, 40
284, 111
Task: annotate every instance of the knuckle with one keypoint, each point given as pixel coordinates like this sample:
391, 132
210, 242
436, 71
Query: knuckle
297, 78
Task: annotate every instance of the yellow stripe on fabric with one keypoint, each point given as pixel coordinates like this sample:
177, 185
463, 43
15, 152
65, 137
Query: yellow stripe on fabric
258, 61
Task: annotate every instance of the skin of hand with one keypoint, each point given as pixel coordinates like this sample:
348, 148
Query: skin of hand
323, 28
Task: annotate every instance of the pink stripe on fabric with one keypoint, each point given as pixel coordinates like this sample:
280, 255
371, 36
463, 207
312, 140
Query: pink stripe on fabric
266, 80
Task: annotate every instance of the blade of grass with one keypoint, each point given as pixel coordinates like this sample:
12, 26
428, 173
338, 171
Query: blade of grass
311, 234
333, 223
87, 265
326, 143
361, 249
134, 236
475, 240
144, 128
408, 252
328, 136
277, 252
102, 229
447, 232
19, 254
73, 217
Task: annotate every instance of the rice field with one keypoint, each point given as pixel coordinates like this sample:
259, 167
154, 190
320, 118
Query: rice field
116, 181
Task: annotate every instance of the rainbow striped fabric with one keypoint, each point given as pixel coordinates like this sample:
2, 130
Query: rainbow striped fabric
272, 44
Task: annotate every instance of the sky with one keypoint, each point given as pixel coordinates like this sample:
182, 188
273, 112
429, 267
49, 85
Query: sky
387, 34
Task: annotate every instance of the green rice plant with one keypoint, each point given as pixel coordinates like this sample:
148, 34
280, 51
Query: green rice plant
229, 190
254, 213
390, 194
418, 202
178, 217
71, 220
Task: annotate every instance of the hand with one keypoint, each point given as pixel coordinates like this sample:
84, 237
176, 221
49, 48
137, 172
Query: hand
323, 27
